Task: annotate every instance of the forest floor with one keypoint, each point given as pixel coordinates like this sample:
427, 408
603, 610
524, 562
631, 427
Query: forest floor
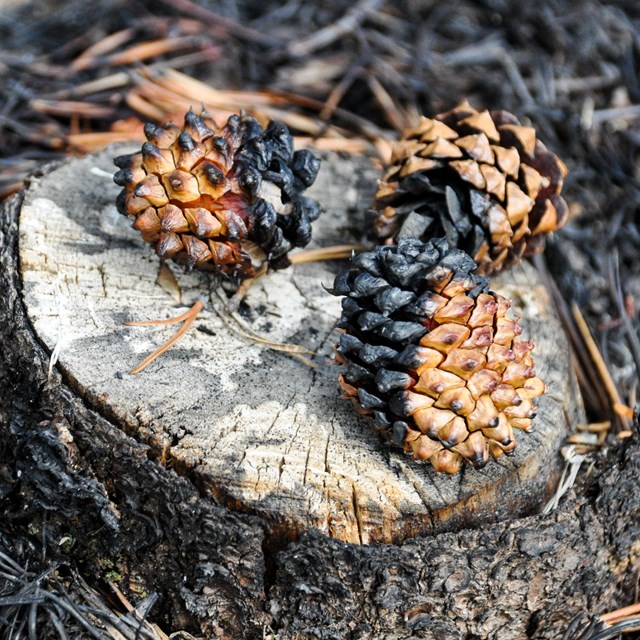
76, 76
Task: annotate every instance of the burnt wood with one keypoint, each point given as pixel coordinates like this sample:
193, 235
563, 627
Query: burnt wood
91, 452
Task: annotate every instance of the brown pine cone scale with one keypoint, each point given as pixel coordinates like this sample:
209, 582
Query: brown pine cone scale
431, 355
227, 200
478, 178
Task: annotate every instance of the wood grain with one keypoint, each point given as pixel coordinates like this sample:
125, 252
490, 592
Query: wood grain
257, 430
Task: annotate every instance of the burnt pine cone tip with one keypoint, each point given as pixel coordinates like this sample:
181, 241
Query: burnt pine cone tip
479, 178
223, 199
431, 355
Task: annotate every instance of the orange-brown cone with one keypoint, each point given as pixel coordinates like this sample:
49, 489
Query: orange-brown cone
223, 199
431, 355
479, 178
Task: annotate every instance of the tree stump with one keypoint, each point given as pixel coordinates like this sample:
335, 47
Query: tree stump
256, 429
228, 477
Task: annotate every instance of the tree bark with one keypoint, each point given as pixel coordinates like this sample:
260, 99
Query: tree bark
229, 477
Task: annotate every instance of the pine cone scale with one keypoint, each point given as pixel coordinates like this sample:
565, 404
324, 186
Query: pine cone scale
507, 159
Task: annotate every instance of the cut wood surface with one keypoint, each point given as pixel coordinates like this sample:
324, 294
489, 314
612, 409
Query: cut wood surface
258, 430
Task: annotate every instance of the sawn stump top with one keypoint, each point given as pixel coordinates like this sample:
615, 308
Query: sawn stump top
256, 429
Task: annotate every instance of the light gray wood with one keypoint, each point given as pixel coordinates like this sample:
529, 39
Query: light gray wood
258, 430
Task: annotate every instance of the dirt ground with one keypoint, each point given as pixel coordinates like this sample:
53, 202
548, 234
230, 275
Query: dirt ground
75, 76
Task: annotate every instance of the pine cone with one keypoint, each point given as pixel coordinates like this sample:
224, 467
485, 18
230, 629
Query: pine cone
226, 200
481, 179
431, 355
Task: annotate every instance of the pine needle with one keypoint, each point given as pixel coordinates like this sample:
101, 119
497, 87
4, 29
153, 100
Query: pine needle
188, 318
245, 330
619, 408
337, 252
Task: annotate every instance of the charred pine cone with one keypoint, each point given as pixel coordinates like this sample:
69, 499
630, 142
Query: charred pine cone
227, 200
481, 179
431, 355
